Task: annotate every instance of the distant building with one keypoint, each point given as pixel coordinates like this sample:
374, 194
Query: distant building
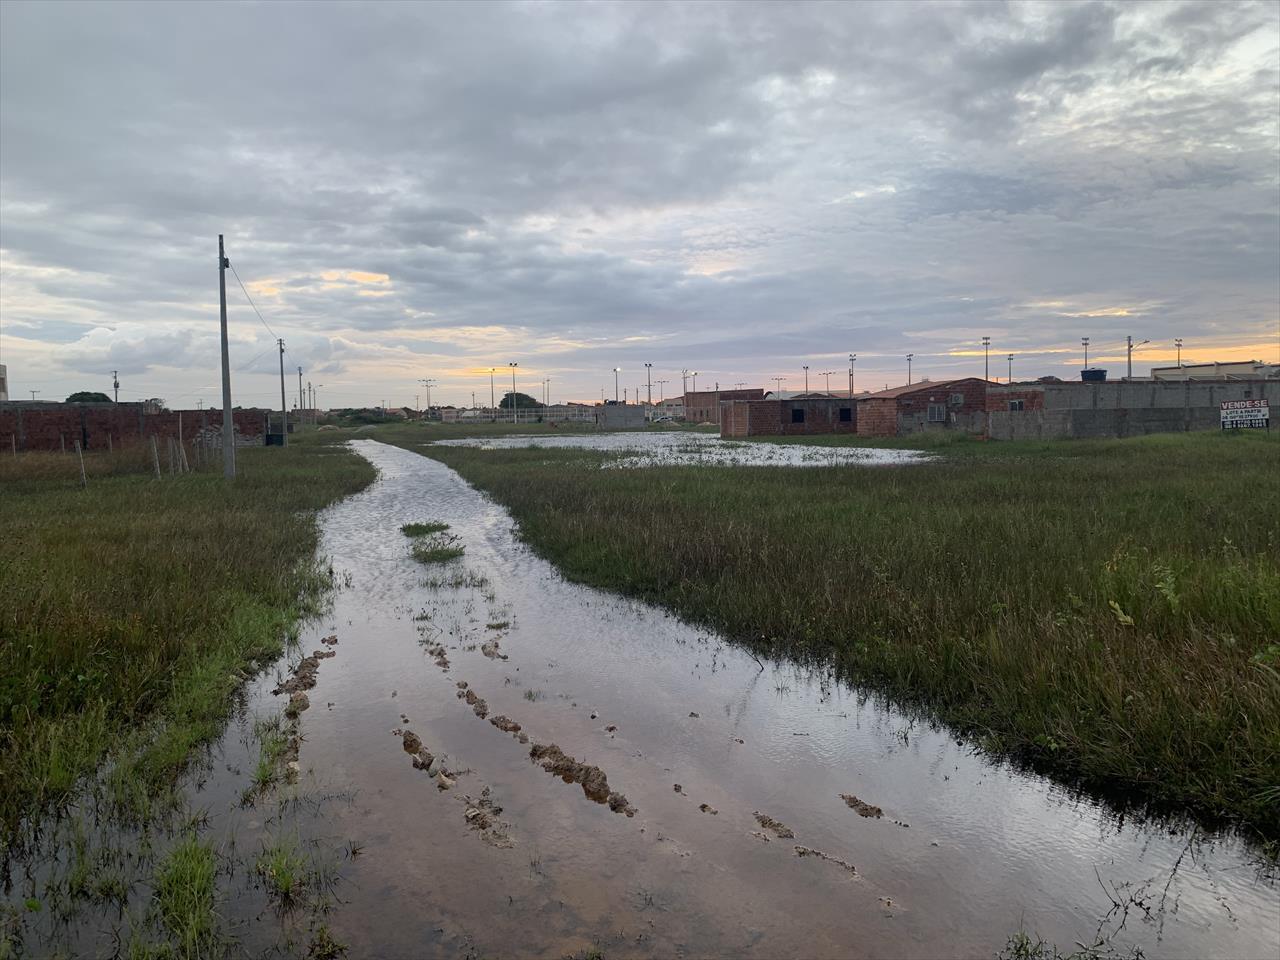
1243, 370
671, 407
4, 383
778, 416
1117, 408
937, 405
704, 405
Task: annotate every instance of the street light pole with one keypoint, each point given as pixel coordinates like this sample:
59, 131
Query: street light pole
986, 358
853, 358
1085, 342
1011, 368
909, 358
1178, 343
493, 407
806, 378
616, 370
514, 407
779, 381
648, 380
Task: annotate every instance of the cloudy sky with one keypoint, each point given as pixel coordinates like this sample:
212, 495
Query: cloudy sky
428, 191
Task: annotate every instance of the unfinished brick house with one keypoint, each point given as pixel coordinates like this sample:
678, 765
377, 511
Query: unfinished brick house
704, 406
939, 405
799, 416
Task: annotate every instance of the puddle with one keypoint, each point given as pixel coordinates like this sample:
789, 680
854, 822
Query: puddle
670, 448
490, 824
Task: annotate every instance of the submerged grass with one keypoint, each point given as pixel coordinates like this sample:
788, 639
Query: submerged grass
423, 529
184, 888
133, 608
1107, 610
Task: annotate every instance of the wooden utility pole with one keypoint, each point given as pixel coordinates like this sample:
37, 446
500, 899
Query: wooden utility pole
300, 406
284, 406
228, 421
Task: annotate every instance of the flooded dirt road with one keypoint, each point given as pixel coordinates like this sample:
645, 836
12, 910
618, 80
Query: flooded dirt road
719, 806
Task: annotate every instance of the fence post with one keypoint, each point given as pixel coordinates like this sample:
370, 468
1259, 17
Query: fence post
84, 480
155, 456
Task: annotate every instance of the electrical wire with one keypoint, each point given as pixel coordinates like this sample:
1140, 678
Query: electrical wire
250, 299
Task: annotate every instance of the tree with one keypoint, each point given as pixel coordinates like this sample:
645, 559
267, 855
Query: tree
88, 396
523, 401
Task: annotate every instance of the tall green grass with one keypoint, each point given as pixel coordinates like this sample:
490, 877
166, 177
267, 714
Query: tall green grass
132, 609
1108, 610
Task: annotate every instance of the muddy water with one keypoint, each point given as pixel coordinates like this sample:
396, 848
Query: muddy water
963, 852
679, 448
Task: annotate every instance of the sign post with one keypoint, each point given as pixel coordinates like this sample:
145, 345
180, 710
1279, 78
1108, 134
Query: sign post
1246, 414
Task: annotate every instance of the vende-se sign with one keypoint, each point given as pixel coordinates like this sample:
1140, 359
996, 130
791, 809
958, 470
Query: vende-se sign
1237, 414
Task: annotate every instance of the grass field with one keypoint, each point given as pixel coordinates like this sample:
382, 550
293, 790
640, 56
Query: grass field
132, 609
1107, 610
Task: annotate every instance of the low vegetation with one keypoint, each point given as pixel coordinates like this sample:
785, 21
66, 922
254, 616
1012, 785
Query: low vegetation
423, 529
1106, 610
133, 607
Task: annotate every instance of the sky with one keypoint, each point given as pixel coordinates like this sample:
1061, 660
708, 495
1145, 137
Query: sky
416, 192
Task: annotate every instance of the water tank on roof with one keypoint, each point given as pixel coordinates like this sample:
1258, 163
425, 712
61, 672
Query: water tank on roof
1093, 375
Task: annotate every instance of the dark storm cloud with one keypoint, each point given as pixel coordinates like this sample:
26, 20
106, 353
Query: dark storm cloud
735, 187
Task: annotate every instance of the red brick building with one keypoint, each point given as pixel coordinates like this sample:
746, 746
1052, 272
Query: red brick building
704, 405
799, 416
941, 405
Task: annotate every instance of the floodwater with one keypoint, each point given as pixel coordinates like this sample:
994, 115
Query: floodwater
964, 854
512, 860
676, 448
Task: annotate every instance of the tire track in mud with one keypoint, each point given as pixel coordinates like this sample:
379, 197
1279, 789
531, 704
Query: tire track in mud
594, 781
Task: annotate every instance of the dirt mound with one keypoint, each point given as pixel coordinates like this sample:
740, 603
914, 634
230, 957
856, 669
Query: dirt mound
490, 650
863, 809
304, 677
779, 829
809, 852
414, 746
324, 654
482, 816
593, 780
297, 703
331, 640
505, 724
477, 704
708, 808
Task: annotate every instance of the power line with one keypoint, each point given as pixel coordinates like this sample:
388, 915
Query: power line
251, 303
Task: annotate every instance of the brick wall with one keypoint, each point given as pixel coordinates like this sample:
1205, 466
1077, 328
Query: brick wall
105, 426
878, 417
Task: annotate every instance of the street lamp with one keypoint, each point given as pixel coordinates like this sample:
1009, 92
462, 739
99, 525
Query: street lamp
1011, 368
1178, 342
493, 407
648, 380
910, 356
986, 358
1085, 342
428, 384
806, 378
779, 381
694, 376
616, 371
827, 374
1129, 354
853, 358
514, 405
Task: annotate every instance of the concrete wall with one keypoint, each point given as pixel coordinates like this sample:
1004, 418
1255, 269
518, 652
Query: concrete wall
1117, 409
748, 418
619, 416
57, 426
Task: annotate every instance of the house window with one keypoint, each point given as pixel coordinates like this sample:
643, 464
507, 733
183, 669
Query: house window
957, 400
797, 414
846, 414
1015, 406
937, 413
